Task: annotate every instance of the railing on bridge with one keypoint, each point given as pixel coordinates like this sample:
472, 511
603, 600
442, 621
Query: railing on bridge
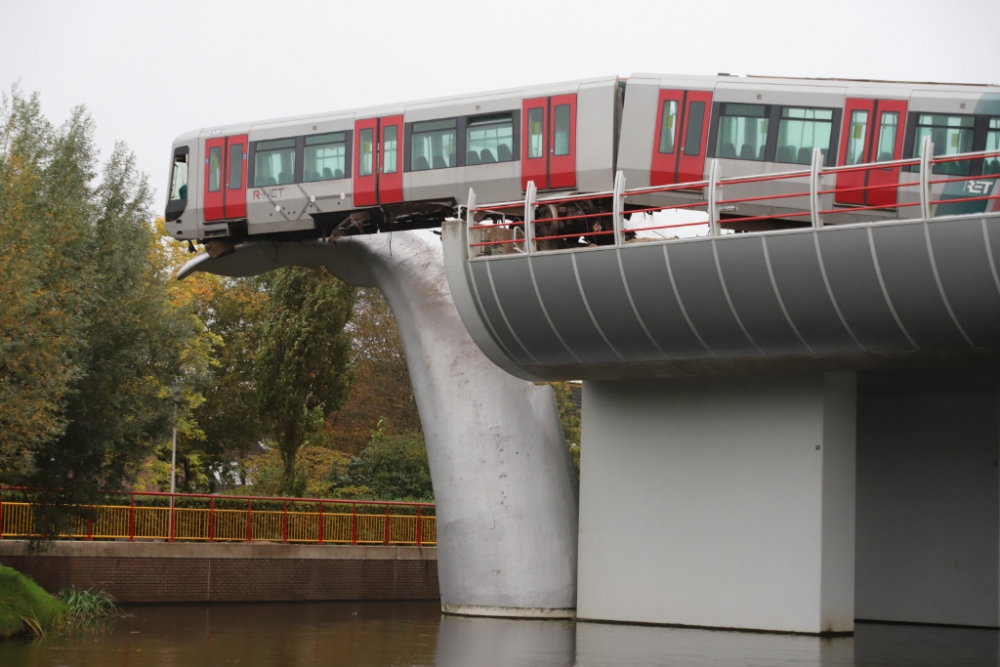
512, 226
150, 515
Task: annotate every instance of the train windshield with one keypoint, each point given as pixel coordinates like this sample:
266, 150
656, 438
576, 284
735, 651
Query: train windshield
179, 177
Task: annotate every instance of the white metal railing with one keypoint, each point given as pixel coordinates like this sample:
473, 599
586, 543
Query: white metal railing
525, 218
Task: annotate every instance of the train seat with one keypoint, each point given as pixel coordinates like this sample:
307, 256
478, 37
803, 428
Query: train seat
283, 178
339, 173
439, 162
805, 155
747, 152
884, 156
328, 173
472, 157
421, 164
728, 150
991, 167
487, 156
785, 154
504, 153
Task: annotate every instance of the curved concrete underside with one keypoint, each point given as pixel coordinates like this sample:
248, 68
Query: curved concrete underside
503, 480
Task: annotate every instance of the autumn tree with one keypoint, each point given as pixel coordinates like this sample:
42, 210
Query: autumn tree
302, 365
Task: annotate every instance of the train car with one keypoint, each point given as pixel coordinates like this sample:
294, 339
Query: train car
754, 126
391, 167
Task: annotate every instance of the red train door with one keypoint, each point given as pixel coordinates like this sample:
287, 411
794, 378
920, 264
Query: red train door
873, 132
390, 177
548, 142
365, 162
225, 178
681, 136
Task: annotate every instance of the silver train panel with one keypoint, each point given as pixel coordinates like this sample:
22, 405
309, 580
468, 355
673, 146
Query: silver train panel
896, 295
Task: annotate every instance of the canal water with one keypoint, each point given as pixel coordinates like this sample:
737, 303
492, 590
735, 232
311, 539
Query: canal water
383, 634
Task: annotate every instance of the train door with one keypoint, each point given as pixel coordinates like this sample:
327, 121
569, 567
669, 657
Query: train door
548, 142
873, 132
681, 136
225, 178
378, 162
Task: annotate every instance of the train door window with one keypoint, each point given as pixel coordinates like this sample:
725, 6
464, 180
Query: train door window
536, 139
802, 130
179, 178
235, 166
561, 140
215, 169
742, 132
325, 157
434, 145
857, 135
693, 131
991, 165
389, 149
951, 135
887, 133
668, 126
367, 148
490, 139
274, 162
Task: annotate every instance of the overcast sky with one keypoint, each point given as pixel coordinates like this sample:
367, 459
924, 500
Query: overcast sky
149, 70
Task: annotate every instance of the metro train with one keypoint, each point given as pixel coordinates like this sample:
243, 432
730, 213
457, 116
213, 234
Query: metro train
411, 165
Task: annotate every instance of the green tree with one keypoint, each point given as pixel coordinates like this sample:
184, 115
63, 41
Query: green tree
393, 466
302, 367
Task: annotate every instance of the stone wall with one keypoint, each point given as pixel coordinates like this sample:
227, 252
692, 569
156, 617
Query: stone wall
230, 572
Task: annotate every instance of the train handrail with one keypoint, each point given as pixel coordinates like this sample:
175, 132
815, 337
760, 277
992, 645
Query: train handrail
712, 202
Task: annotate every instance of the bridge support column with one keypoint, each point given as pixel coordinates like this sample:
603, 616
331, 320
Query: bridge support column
719, 502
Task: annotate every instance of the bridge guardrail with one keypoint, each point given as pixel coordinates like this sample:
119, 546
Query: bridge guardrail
152, 515
502, 231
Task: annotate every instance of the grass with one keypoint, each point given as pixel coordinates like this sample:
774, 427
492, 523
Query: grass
24, 607
85, 606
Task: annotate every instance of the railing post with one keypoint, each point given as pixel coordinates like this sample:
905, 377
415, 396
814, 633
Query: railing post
249, 530
284, 524
926, 152
470, 221
1, 513
131, 517
171, 517
319, 528
530, 193
617, 207
211, 519
814, 169
90, 529
354, 524
713, 197
419, 528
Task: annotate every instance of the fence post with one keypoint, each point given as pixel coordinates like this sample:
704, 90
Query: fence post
354, 524
211, 519
419, 528
90, 529
284, 524
1, 513
926, 152
319, 528
470, 221
529, 217
617, 207
171, 517
131, 517
814, 169
387, 525
249, 532
713, 197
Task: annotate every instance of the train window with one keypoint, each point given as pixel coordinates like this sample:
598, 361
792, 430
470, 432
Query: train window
695, 121
802, 130
274, 162
887, 136
991, 165
236, 166
743, 126
668, 126
434, 145
536, 141
325, 157
951, 135
490, 139
179, 178
562, 130
389, 148
367, 151
856, 137
215, 169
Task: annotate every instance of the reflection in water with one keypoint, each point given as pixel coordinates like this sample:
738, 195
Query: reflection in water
384, 634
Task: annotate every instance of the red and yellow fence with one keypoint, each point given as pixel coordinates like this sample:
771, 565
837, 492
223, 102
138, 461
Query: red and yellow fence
221, 518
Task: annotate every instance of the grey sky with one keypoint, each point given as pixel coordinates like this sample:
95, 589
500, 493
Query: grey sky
151, 70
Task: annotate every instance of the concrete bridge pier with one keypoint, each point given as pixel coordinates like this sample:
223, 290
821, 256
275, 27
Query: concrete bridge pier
723, 502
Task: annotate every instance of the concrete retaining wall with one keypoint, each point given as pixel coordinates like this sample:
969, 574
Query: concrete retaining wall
231, 572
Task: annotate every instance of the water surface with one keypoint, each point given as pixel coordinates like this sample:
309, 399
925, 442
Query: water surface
384, 634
